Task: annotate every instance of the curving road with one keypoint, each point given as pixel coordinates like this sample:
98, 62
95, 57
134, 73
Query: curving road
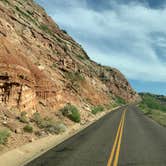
123, 137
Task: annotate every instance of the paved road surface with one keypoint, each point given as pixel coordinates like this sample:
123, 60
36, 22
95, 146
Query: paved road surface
123, 137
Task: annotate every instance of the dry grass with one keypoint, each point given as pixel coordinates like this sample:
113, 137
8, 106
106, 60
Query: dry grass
158, 116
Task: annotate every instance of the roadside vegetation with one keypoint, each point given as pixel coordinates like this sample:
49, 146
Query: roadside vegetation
97, 109
154, 106
120, 101
28, 128
117, 101
71, 112
48, 124
4, 134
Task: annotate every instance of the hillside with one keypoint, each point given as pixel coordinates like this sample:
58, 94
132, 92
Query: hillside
154, 106
42, 69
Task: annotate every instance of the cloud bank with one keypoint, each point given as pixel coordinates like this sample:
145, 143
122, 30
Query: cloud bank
128, 36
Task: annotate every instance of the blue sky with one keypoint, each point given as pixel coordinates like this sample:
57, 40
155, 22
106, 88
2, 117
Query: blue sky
127, 34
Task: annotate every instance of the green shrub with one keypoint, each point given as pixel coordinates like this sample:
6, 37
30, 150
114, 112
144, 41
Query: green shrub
45, 122
97, 109
41, 122
23, 117
46, 29
64, 31
48, 124
75, 76
119, 100
81, 57
36, 117
71, 112
55, 127
152, 102
145, 109
30, 12
28, 128
158, 116
153, 107
26, 15
60, 127
54, 65
6, 1
4, 134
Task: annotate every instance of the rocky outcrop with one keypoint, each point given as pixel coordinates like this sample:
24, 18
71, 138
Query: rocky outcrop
15, 88
20, 81
38, 61
117, 84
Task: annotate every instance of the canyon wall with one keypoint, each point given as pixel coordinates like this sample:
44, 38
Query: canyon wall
40, 63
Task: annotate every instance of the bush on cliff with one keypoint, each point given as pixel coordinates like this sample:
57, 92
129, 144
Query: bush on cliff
119, 100
75, 76
97, 109
71, 112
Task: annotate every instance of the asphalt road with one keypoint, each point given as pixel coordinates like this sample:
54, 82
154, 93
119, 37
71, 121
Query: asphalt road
122, 137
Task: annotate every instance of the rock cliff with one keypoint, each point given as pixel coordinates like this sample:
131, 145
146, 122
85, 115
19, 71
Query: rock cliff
40, 63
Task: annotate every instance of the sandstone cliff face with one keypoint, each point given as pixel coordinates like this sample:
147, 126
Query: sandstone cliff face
40, 62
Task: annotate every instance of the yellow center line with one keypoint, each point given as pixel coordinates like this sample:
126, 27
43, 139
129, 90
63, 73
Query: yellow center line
114, 145
117, 141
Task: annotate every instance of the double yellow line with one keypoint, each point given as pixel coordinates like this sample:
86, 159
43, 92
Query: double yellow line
114, 156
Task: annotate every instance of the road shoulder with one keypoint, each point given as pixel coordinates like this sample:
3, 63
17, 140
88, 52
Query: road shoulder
30, 151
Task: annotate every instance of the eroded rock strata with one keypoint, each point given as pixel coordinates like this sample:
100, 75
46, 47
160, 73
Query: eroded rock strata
41, 62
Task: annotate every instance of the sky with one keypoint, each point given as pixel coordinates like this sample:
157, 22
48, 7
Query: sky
129, 35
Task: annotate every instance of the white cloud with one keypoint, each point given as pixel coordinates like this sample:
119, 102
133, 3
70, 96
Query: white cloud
125, 36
